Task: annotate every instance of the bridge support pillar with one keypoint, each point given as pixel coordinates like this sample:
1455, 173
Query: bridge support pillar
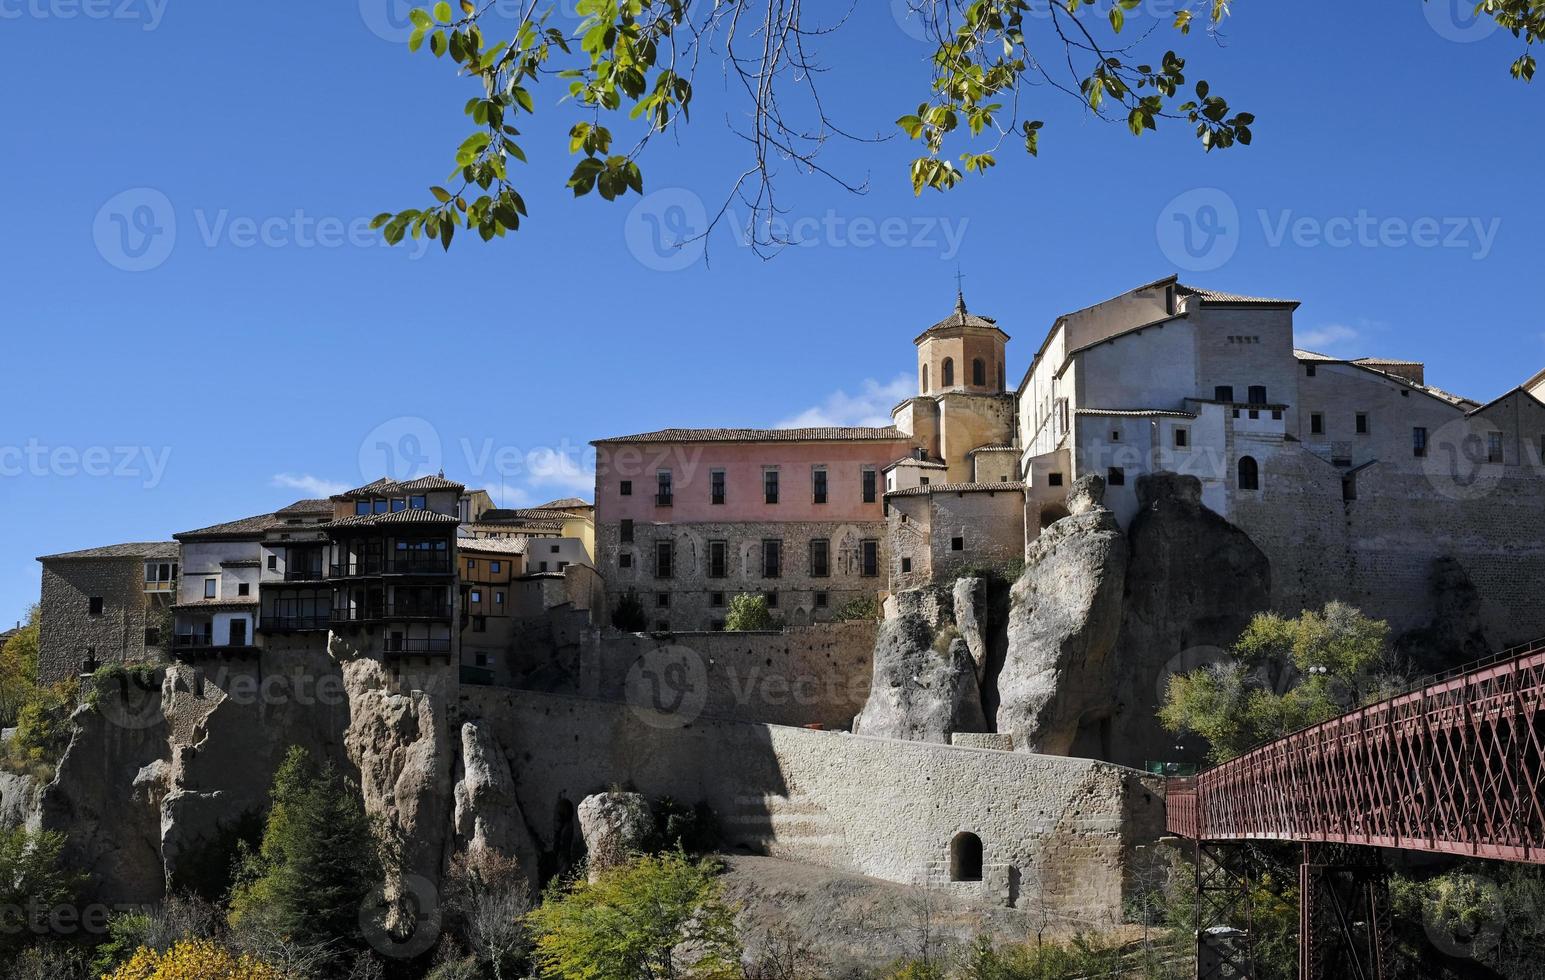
1224, 912
1344, 928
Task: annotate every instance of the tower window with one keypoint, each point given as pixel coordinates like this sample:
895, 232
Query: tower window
947, 372
1317, 424
925, 379
1362, 423
1419, 442
1116, 476
1257, 394
1249, 473
1223, 393
978, 373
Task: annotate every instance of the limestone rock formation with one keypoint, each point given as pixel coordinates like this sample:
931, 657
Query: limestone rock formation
925, 683
1193, 583
401, 746
614, 827
970, 597
488, 818
1064, 620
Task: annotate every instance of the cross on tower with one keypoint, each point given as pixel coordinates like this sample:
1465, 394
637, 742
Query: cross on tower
960, 291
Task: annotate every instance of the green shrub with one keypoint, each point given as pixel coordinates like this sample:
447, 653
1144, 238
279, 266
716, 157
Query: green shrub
749, 613
859, 608
629, 615
43, 731
631, 921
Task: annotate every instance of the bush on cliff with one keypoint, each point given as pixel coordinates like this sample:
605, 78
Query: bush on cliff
194, 959
658, 918
1284, 674
317, 863
19, 670
35, 884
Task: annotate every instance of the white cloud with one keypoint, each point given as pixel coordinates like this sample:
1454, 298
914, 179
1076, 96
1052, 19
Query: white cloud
306, 483
1328, 338
870, 407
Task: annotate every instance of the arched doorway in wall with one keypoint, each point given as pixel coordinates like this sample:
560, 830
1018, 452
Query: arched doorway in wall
1052, 513
966, 857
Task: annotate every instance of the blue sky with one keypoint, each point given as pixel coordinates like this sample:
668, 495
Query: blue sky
262, 355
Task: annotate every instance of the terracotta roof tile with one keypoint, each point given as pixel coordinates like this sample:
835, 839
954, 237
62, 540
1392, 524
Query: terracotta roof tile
148, 550
1215, 296
495, 546
824, 434
412, 515
1011, 485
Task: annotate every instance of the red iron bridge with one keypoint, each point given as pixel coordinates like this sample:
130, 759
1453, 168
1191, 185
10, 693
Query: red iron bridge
1455, 767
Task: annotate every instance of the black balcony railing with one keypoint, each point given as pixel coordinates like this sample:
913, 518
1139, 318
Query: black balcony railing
663, 499
419, 566
399, 610
282, 623
401, 646
363, 566
311, 574
202, 641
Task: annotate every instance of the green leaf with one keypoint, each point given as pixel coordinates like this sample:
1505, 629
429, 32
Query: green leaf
443, 12
441, 194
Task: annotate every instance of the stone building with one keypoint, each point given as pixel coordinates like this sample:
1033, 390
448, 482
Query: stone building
688, 518
1358, 479
105, 605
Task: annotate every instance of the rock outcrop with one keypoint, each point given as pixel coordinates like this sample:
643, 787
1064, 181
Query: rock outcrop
1064, 621
1193, 583
1456, 635
925, 683
488, 818
614, 827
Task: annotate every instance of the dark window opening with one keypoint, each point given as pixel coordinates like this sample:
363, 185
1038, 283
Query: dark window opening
1257, 394
1317, 424
1493, 447
770, 486
869, 486
662, 600
94, 604
978, 373
718, 559
1362, 423
1182, 438
1249, 474
1116, 477
663, 554
625, 560
1054, 479
716, 599
821, 600
948, 373
818, 487
906, 566
663, 496
957, 544
869, 558
1419, 442
626, 489
772, 558
966, 857
1223, 393
627, 530
820, 558
716, 486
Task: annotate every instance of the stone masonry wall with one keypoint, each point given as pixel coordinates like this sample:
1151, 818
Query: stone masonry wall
1054, 829
693, 593
68, 631
1377, 552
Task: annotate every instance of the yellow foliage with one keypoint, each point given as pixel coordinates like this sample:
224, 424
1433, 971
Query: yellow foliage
193, 960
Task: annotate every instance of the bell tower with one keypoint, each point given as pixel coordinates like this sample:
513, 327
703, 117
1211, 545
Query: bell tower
962, 401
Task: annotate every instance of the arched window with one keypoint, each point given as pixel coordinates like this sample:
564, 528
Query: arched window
947, 373
1249, 473
978, 373
925, 379
966, 857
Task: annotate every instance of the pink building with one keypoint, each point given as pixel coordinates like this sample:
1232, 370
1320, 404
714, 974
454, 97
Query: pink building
688, 518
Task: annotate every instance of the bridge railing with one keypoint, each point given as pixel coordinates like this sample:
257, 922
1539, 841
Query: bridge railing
1455, 766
